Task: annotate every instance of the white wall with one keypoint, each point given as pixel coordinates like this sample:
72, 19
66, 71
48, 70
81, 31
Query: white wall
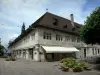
29, 41
38, 39
53, 41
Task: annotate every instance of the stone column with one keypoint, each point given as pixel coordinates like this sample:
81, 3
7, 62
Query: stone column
77, 54
36, 56
27, 54
82, 53
36, 53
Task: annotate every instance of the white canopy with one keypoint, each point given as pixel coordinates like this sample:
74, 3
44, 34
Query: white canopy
56, 49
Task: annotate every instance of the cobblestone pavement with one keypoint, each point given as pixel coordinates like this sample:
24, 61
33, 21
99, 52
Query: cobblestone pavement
27, 67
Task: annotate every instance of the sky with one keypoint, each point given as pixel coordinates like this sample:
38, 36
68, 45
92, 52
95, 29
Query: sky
14, 12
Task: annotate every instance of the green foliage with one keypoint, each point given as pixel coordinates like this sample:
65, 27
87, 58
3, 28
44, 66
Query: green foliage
77, 69
10, 59
84, 65
1, 51
91, 29
13, 59
7, 59
72, 63
68, 60
64, 67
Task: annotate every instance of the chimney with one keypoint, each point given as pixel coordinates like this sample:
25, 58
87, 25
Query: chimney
72, 20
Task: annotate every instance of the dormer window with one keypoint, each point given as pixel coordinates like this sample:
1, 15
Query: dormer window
65, 26
73, 29
55, 21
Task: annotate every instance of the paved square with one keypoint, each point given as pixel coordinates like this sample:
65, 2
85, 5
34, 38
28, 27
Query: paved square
27, 67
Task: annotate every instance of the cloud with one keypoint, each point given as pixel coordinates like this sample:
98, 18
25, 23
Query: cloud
12, 36
20, 4
7, 27
8, 37
72, 7
14, 12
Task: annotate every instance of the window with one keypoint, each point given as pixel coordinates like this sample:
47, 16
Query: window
73, 39
93, 51
55, 21
85, 52
58, 38
78, 40
20, 52
73, 29
65, 26
67, 38
98, 51
47, 36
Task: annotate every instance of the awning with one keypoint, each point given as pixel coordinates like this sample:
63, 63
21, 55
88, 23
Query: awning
56, 49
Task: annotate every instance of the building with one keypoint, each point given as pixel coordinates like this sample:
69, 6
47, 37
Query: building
52, 37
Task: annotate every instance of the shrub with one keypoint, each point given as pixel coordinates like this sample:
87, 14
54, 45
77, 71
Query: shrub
63, 60
84, 65
69, 60
10, 59
71, 63
64, 68
7, 59
77, 69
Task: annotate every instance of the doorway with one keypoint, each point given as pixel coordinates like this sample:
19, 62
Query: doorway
84, 52
31, 54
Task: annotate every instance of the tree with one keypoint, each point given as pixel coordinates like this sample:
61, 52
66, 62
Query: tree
90, 32
1, 50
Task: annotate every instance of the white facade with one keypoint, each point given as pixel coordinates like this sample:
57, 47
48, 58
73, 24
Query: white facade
30, 46
66, 38
22, 47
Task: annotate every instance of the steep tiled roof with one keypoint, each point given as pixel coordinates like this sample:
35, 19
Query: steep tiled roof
62, 24
52, 21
